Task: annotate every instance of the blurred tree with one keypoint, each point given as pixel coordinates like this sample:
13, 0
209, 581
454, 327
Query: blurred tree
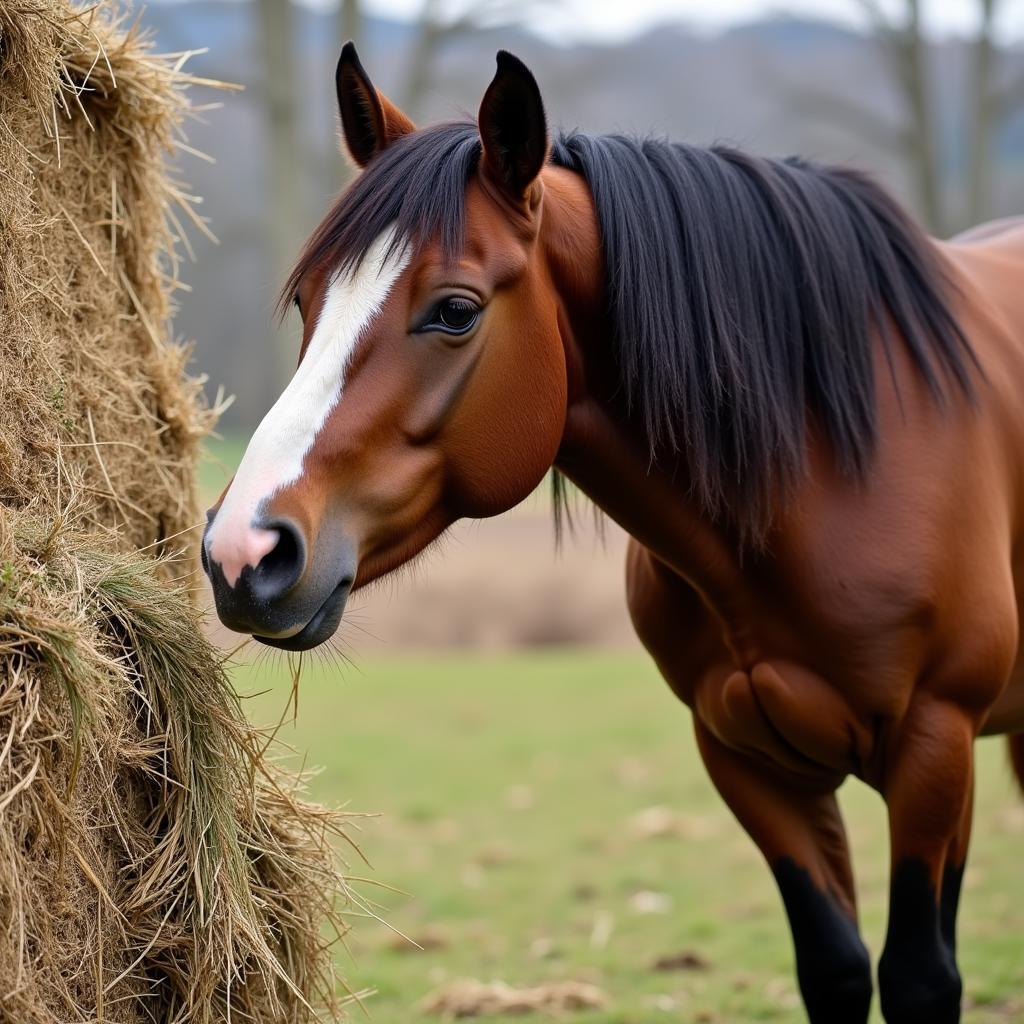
994, 101
350, 21
905, 50
284, 198
906, 53
979, 186
338, 168
438, 24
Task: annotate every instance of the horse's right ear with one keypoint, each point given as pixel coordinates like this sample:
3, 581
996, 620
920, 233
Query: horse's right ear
513, 128
370, 122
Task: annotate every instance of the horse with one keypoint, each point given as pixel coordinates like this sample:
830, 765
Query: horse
804, 411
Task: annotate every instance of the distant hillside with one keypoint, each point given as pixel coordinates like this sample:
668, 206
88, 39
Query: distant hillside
736, 86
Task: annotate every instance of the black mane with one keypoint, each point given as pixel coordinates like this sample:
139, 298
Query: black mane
744, 294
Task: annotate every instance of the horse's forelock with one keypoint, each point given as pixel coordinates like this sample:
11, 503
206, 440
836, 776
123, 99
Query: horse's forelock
417, 187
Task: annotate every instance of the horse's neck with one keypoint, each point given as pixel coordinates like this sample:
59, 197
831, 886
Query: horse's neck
601, 452
610, 465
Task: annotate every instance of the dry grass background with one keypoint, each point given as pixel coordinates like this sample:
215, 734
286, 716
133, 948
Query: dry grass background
500, 585
154, 864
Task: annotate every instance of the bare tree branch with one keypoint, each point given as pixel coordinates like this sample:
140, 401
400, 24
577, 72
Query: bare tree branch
350, 21
284, 193
829, 107
902, 44
337, 169
1008, 99
436, 29
875, 14
984, 118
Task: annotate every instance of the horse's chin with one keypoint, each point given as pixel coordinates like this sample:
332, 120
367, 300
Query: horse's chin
319, 629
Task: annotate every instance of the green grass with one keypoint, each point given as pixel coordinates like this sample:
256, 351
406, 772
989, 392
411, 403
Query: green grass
506, 789
217, 464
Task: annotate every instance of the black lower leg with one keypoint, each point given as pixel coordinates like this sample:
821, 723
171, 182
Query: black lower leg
918, 978
949, 903
833, 967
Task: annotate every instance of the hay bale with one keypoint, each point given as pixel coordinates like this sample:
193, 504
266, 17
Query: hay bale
153, 865
93, 398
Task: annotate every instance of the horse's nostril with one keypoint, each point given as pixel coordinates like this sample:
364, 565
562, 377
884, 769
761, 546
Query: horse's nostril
281, 567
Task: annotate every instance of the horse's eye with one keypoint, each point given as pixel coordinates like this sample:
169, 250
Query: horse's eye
454, 316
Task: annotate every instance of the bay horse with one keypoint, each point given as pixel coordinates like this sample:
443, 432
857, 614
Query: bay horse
806, 413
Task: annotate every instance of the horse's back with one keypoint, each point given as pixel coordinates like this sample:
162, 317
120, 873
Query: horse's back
991, 230
988, 273
989, 265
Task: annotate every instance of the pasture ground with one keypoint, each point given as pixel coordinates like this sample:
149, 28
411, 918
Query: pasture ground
548, 815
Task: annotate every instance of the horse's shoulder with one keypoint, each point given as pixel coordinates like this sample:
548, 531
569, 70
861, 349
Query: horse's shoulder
656, 594
671, 620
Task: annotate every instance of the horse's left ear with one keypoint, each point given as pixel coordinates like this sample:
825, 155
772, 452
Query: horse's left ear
370, 122
513, 128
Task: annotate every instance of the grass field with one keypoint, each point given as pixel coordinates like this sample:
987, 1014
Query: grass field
549, 819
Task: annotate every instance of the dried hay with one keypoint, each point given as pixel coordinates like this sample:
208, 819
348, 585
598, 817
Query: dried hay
469, 998
153, 865
93, 399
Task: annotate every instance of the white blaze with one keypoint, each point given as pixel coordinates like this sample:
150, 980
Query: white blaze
276, 451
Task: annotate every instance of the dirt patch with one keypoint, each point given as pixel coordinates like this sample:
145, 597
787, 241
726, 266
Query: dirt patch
482, 999
687, 960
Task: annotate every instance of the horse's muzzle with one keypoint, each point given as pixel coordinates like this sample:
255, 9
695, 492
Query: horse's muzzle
287, 599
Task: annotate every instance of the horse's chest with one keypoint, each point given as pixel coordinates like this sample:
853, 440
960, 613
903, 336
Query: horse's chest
744, 677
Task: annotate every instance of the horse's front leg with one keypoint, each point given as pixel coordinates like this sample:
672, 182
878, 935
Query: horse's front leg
800, 832
928, 787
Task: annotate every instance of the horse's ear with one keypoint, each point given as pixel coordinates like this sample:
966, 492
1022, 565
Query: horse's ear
370, 122
513, 128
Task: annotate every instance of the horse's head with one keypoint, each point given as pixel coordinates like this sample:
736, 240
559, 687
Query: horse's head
432, 376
